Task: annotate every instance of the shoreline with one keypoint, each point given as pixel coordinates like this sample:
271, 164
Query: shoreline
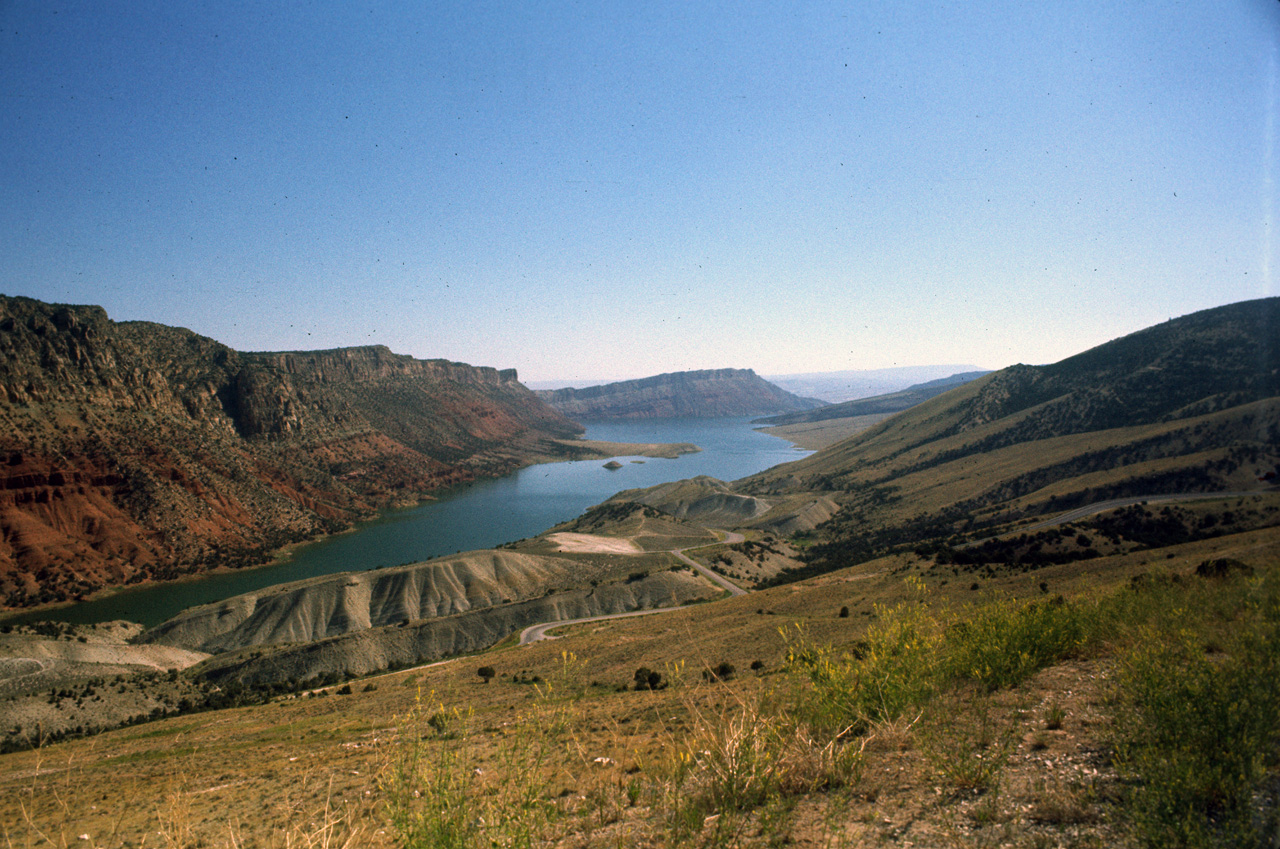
596, 449
576, 450
814, 436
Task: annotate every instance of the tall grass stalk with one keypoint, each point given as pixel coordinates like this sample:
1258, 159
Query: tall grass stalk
745, 762
439, 794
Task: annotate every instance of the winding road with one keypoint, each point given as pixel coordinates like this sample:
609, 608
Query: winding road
535, 633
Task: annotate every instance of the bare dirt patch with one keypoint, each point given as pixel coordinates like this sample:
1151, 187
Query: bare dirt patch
593, 544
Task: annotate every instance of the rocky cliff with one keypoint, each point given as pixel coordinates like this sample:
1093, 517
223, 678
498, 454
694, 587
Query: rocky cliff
711, 393
135, 451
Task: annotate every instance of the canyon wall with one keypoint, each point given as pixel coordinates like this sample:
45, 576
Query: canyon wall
134, 451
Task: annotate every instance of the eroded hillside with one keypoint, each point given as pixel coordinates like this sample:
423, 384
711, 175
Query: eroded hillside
135, 451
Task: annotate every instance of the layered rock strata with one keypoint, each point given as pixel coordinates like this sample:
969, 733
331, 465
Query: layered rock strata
134, 451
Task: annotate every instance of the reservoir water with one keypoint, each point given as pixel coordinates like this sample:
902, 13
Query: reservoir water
480, 515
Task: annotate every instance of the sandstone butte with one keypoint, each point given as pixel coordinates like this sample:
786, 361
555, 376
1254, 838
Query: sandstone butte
708, 393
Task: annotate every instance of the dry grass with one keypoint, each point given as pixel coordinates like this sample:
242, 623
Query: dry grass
304, 772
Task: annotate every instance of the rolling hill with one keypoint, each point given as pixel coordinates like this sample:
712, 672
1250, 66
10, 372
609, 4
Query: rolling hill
1191, 405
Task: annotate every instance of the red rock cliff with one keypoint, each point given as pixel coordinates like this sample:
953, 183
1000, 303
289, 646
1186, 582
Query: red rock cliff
135, 451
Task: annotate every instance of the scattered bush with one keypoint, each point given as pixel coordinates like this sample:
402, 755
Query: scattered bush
648, 679
1223, 567
720, 672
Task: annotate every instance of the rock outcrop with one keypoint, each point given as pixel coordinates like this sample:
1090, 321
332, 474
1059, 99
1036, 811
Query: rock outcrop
318, 608
711, 393
134, 451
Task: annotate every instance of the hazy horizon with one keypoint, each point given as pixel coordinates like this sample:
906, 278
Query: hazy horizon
914, 374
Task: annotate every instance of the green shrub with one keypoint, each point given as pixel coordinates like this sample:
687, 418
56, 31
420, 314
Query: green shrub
893, 669
1196, 734
437, 796
1001, 644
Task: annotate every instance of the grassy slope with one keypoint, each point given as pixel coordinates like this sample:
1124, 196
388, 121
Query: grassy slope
1188, 406
267, 774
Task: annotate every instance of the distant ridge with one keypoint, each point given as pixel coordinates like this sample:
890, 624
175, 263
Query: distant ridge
1206, 363
1188, 406
835, 387
893, 402
687, 394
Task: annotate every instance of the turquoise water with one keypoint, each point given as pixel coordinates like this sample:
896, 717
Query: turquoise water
481, 515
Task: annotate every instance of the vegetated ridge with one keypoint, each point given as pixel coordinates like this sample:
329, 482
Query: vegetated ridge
134, 451
893, 402
710, 393
1191, 405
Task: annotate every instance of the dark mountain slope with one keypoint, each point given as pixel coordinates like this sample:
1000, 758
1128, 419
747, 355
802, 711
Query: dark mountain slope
1203, 363
1192, 405
1198, 364
136, 451
687, 394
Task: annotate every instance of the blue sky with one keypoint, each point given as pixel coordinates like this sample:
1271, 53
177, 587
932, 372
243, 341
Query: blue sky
596, 190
